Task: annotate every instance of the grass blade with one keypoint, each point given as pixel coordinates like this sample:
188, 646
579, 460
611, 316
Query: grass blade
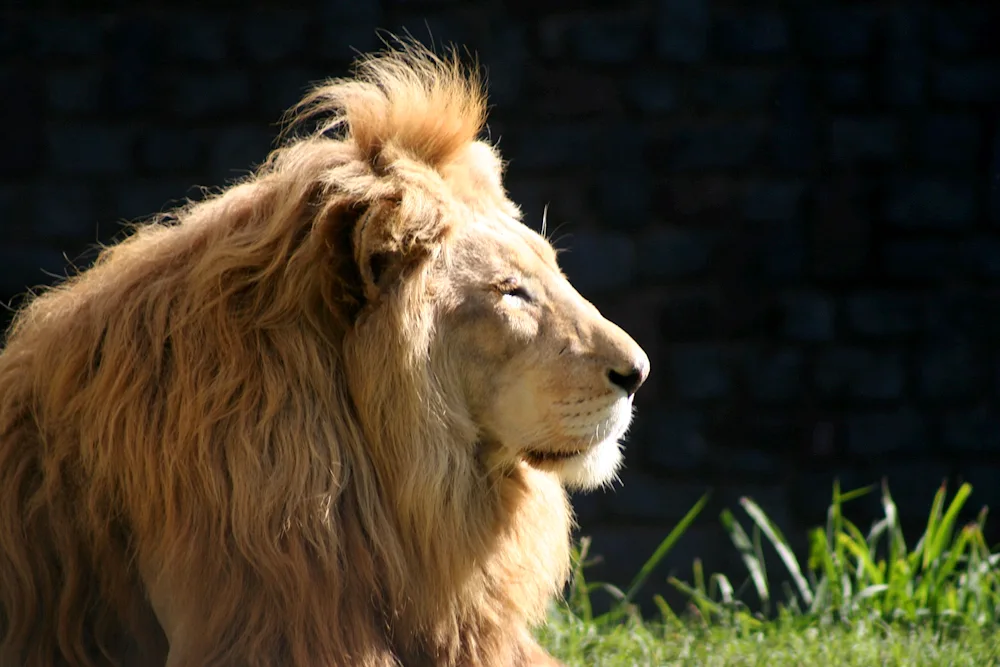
726, 590
741, 541
705, 605
848, 496
897, 543
923, 545
947, 525
780, 545
579, 598
863, 556
871, 591
664, 547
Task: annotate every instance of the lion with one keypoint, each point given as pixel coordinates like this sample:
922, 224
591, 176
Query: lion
327, 415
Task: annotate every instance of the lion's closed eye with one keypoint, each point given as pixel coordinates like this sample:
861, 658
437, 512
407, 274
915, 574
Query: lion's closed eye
514, 289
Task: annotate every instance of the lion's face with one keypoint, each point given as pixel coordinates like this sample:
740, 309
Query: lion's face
548, 380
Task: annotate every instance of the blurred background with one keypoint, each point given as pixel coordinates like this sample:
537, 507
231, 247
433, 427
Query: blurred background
793, 206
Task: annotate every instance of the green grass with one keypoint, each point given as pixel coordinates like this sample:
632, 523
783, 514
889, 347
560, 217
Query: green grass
580, 643
860, 599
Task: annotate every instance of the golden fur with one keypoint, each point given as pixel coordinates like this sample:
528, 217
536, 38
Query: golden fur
324, 417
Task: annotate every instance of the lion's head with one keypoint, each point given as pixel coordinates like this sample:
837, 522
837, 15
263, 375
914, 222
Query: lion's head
544, 377
322, 417
520, 360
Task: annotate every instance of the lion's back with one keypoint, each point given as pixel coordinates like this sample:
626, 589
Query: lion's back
63, 546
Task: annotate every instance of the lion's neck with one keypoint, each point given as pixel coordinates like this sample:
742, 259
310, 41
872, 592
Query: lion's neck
498, 551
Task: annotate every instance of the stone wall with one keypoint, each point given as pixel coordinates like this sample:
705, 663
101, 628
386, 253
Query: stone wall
793, 206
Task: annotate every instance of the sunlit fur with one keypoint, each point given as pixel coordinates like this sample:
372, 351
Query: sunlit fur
238, 439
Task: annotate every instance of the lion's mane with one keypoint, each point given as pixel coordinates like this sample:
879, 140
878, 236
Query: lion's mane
223, 416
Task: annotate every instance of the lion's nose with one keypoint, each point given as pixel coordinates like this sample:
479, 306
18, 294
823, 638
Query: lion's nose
631, 378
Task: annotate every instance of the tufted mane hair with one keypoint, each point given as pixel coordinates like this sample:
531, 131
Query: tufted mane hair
428, 107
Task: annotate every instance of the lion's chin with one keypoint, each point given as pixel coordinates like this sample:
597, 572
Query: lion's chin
582, 469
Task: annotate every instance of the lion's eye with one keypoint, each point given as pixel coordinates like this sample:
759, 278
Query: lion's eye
515, 290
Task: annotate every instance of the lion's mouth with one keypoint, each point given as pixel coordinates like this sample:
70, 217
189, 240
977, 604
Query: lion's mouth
537, 458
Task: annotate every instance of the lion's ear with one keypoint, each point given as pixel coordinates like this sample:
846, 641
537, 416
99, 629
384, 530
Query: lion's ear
387, 245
